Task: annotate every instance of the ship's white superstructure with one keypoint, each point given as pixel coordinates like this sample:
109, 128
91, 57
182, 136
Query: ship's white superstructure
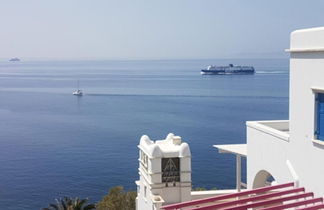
230, 69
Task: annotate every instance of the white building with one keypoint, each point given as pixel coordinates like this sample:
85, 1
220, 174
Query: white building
294, 149
164, 171
282, 155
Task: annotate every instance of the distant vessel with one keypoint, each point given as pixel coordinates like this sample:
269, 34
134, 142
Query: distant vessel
78, 92
14, 59
230, 69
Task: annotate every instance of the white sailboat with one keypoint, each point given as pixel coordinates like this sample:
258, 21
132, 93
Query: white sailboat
78, 92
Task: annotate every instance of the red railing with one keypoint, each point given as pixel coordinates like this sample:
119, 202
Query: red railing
272, 197
228, 196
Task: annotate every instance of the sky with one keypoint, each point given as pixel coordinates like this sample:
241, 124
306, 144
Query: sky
152, 29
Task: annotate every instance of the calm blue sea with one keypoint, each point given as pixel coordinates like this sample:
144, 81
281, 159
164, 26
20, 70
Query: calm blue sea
55, 144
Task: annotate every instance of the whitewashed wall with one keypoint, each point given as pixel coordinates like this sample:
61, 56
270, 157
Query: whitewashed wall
306, 157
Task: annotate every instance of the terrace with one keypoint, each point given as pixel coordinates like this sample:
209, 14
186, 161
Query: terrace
276, 128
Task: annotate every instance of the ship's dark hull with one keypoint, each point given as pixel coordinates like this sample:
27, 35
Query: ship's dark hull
211, 72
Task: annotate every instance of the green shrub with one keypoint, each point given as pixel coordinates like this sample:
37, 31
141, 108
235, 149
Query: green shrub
202, 189
118, 199
70, 204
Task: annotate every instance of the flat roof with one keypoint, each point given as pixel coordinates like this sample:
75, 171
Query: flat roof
237, 149
307, 40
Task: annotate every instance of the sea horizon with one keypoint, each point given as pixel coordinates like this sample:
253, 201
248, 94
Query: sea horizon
44, 59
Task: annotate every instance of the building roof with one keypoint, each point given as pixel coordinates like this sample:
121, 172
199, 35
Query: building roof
307, 40
171, 146
237, 149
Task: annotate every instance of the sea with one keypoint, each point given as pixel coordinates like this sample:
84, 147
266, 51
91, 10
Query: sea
55, 144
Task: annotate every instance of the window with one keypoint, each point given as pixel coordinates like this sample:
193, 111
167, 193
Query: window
170, 170
319, 132
144, 159
145, 191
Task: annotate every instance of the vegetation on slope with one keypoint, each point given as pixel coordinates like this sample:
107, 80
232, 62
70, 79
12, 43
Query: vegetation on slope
70, 204
117, 199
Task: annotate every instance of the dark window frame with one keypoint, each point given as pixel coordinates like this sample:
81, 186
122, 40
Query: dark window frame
319, 103
170, 168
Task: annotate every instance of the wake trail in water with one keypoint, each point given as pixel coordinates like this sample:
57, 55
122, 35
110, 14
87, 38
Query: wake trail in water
183, 95
271, 72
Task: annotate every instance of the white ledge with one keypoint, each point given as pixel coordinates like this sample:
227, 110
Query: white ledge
210, 193
318, 89
261, 126
318, 142
303, 50
237, 149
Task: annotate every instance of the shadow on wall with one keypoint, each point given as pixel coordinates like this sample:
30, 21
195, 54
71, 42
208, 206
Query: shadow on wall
263, 178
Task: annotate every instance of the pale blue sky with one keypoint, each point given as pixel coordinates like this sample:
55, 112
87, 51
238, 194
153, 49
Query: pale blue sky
152, 29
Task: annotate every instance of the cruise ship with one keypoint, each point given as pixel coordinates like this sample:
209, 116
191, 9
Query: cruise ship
230, 69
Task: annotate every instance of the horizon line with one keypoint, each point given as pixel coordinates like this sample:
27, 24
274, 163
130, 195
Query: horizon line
139, 59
